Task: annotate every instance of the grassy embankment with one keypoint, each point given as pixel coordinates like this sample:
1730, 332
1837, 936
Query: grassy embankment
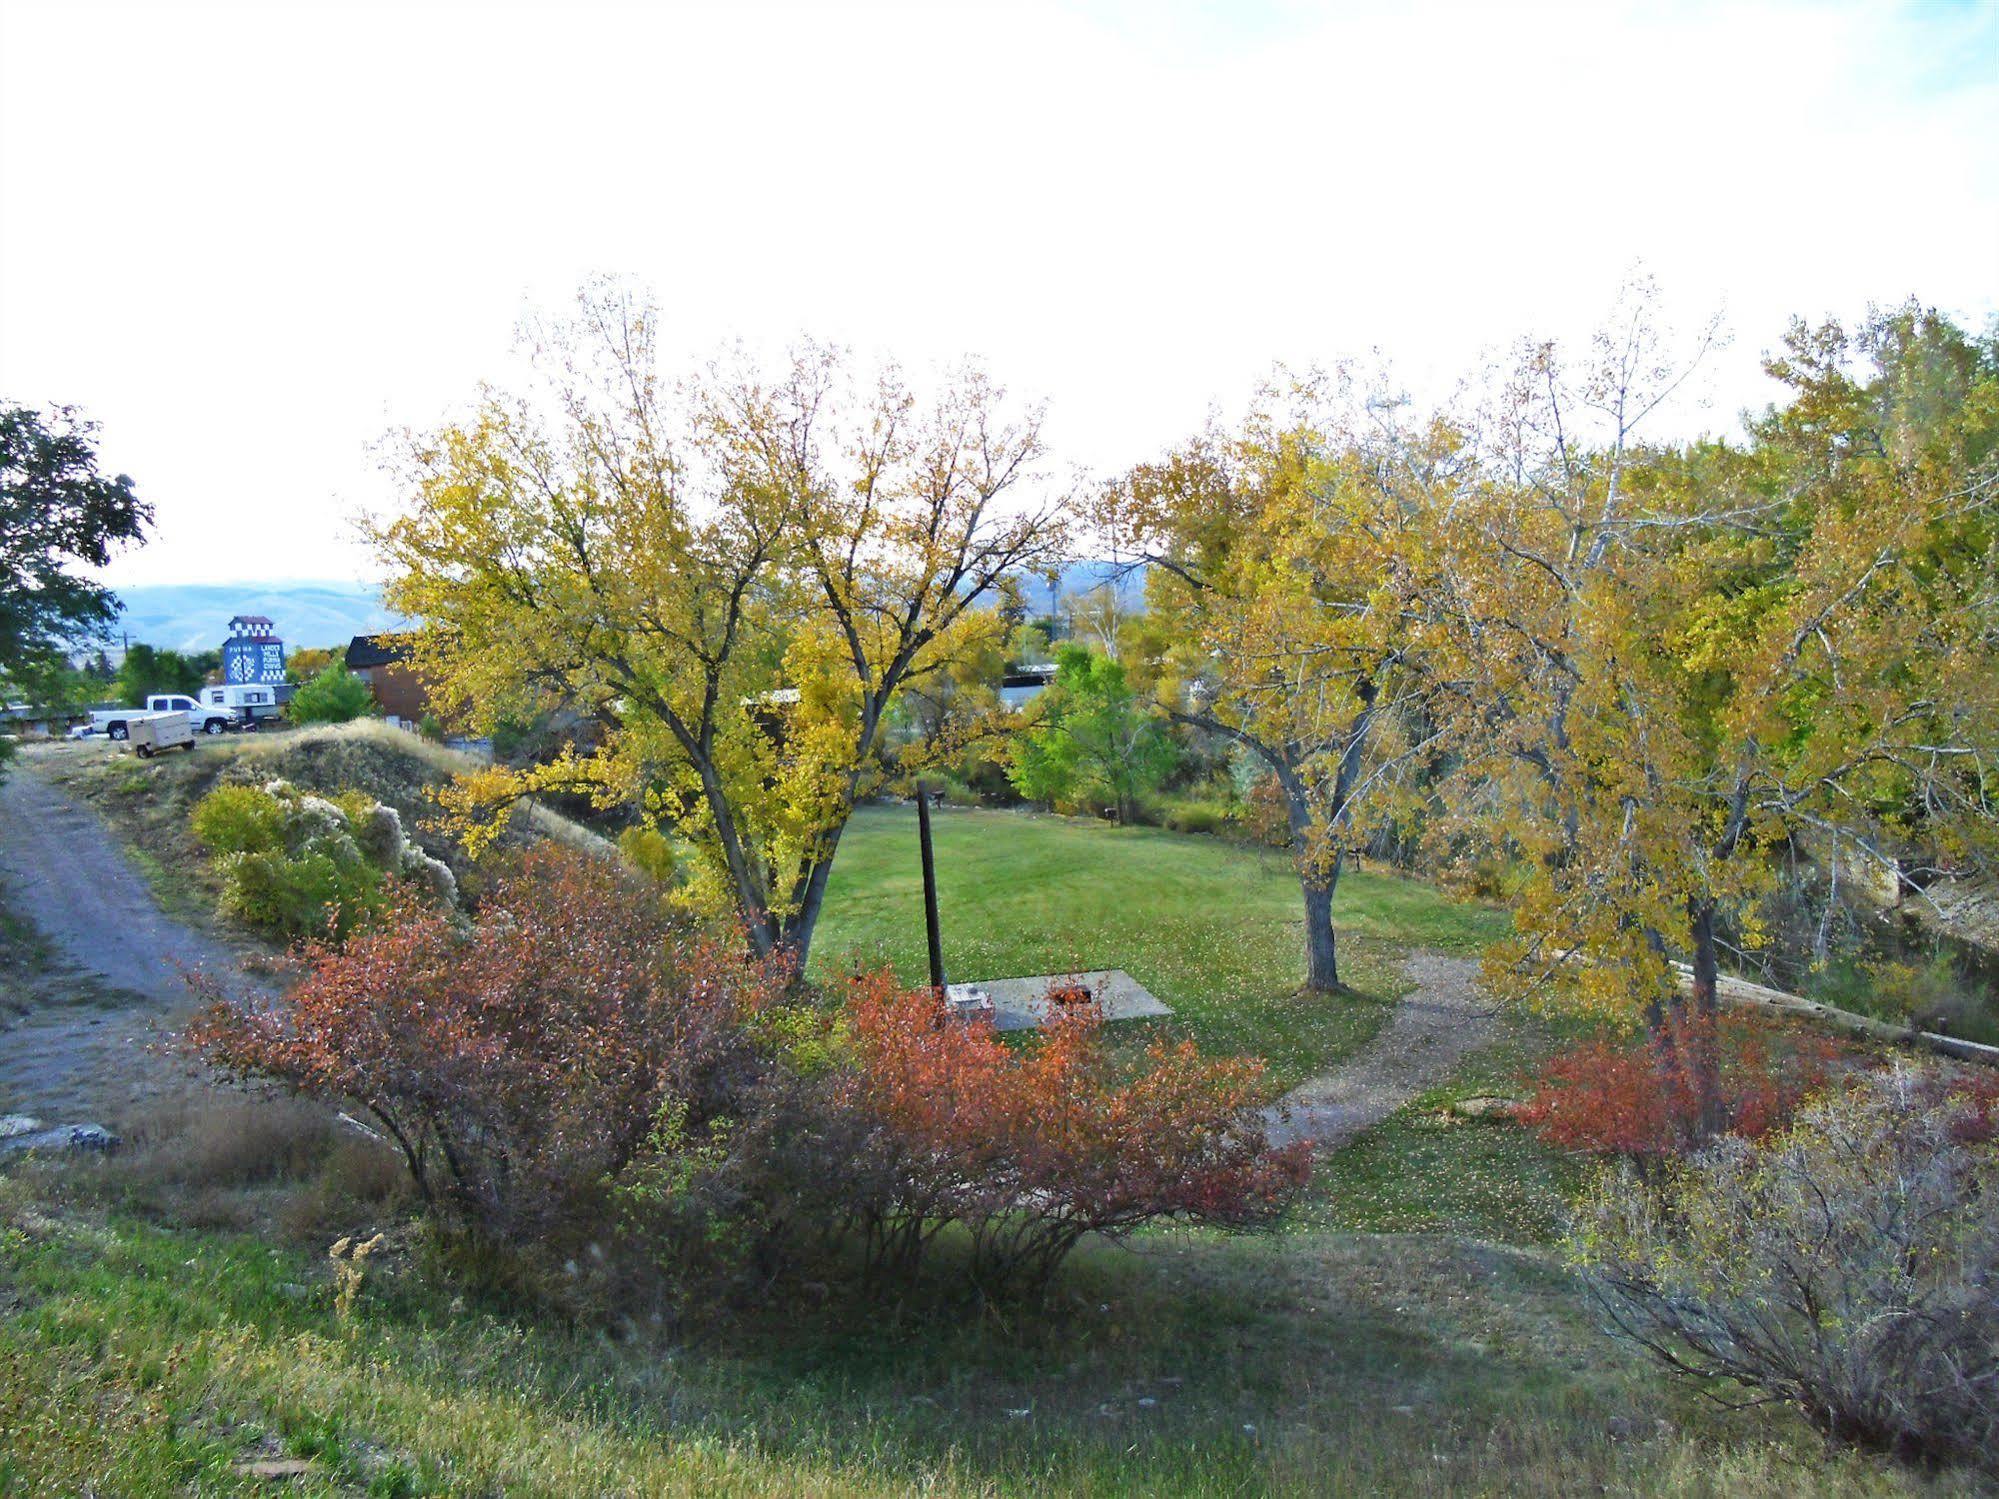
141, 1358
168, 1315
148, 803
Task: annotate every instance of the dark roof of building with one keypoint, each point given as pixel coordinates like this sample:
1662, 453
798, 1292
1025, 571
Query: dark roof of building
1033, 675
376, 650
251, 619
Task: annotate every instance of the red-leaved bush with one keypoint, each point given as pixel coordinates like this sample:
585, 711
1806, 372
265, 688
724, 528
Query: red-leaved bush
520, 1061
575, 1060
1031, 1148
1640, 1098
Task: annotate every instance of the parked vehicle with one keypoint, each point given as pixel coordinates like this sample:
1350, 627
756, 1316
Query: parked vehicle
116, 723
247, 703
151, 733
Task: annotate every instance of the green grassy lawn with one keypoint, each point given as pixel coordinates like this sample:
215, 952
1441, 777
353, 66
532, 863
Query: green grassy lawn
1214, 928
1427, 1169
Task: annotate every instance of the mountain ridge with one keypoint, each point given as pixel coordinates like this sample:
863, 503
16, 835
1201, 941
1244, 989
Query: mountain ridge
306, 612
327, 612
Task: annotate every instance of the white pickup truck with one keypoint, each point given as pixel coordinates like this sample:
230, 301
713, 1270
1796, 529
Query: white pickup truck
207, 718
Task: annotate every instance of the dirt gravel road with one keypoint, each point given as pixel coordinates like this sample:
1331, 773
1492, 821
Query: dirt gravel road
1437, 1024
85, 1056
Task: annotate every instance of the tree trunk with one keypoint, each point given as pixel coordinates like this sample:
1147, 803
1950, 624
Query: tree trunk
1322, 963
1703, 1060
795, 933
1322, 969
1657, 1007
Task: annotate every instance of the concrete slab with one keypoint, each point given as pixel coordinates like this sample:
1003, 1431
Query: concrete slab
1022, 1004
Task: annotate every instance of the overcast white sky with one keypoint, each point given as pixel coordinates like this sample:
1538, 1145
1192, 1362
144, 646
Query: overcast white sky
248, 239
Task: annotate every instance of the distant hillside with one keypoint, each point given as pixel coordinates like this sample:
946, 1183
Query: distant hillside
195, 616
1078, 578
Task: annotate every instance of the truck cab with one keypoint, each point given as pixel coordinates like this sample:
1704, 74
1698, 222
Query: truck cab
202, 716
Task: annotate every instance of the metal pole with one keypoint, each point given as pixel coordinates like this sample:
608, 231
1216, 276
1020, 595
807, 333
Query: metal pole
930, 891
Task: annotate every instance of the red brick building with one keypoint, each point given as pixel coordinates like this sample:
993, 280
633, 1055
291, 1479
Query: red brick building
382, 662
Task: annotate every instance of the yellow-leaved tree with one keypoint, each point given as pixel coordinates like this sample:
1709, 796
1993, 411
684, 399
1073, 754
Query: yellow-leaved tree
736, 574
1678, 661
1286, 611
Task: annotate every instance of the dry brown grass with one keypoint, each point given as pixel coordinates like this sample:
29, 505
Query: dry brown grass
219, 1158
226, 1139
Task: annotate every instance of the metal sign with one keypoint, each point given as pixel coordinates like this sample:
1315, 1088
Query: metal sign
259, 661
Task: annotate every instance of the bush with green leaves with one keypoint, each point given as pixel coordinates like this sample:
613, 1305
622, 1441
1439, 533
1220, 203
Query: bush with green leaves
312, 895
1094, 741
335, 695
1184, 815
302, 866
239, 820
1848, 1265
651, 852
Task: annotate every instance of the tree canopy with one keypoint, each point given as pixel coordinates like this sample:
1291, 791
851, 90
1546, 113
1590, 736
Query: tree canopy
1094, 736
737, 574
58, 514
147, 670
1519, 628
1677, 663
1284, 559
333, 694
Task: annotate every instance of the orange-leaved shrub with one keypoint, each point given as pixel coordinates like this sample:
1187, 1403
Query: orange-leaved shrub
573, 1060
1030, 1148
520, 1060
1640, 1097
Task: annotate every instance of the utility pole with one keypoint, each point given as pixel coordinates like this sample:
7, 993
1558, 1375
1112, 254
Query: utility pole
930, 891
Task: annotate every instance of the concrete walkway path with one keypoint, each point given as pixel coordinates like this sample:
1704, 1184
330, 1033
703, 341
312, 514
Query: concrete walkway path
1434, 1028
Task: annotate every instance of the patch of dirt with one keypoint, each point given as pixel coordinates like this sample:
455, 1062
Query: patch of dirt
1434, 1028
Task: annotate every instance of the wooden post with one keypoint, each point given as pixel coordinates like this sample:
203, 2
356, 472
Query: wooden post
930, 891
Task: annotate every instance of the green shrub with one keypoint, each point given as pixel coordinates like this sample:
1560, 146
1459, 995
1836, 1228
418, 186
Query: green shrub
649, 851
312, 895
1196, 816
356, 805
949, 791
336, 695
297, 865
239, 820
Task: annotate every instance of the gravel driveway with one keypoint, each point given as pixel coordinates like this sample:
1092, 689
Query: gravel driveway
62, 870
